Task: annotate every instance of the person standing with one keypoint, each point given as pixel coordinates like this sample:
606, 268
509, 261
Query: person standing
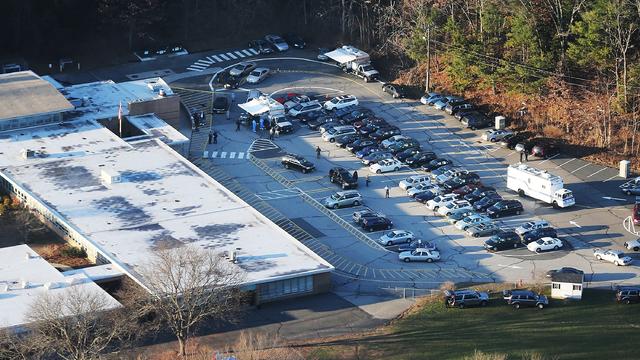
355, 175
215, 137
521, 155
261, 123
238, 125
367, 180
210, 137
318, 150
526, 156
254, 125
386, 192
271, 131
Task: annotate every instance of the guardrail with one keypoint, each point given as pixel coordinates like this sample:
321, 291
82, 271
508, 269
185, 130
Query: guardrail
411, 292
316, 204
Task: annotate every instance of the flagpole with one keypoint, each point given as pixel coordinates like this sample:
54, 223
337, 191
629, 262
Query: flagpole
120, 117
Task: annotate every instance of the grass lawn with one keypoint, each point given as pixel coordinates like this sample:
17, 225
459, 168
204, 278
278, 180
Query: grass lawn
594, 328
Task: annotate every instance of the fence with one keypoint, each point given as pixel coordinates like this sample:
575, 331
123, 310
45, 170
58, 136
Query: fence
410, 293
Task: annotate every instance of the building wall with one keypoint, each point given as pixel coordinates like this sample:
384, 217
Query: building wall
294, 287
566, 291
29, 121
166, 108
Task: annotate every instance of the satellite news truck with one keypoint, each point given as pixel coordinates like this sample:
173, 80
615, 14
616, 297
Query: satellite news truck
539, 184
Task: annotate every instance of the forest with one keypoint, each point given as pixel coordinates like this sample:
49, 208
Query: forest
563, 69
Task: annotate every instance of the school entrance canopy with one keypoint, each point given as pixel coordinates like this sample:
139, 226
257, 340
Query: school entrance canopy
262, 105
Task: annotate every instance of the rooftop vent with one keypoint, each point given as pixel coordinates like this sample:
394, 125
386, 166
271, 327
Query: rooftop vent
27, 154
154, 86
110, 176
27, 256
233, 256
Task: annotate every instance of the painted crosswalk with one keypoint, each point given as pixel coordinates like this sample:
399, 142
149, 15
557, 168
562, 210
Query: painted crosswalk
278, 194
204, 63
262, 144
238, 155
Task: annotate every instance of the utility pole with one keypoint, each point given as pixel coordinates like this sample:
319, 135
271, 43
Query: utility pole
428, 79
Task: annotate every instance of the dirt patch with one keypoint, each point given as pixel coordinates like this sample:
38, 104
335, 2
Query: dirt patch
58, 253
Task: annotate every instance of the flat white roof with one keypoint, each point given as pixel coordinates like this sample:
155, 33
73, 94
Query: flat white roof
25, 94
102, 99
261, 105
346, 54
163, 200
19, 264
155, 127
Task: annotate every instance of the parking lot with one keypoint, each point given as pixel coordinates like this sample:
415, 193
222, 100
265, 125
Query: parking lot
595, 221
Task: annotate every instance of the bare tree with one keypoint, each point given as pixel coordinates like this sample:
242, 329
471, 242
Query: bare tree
77, 324
27, 224
189, 286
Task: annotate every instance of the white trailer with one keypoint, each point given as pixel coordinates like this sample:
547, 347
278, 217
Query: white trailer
539, 184
355, 61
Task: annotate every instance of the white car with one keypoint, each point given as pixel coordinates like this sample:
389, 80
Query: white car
422, 187
419, 254
545, 244
458, 215
633, 245
340, 102
414, 180
472, 220
331, 134
277, 42
531, 225
450, 174
386, 165
496, 135
447, 208
438, 201
242, 68
392, 140
396, 237
257, 75
300, 99
613, 256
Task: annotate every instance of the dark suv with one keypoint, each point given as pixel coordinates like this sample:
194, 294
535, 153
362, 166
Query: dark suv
297, 162
536, 234
519, 298
465, 298
503, 240
628, 294
376, 223
505, 207
384, 133
343, 177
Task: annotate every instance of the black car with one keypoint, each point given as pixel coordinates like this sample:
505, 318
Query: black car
423, 197
220, 105
407, 154
343, 177
295, 41
462, 113
297, 162
380, 122
489, 200
342, 112
503, 240
355, 116
400, 146
521, 298
376, 223
545, 150
261, 46
396, 91
360, 144
505, 208
344, 140
311, 115
479, 193
371, 128
384, 133
435, 164
510, 142
536, 234
421, 158
360, 215
316, 123
459, 182
229, 81
458, 105
283, 127
476, 121
628, 294
441, 170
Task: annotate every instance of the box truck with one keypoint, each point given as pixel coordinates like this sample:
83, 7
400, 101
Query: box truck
539, 184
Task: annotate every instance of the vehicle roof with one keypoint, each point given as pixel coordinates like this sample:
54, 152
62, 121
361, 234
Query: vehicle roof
348, 192
522, 292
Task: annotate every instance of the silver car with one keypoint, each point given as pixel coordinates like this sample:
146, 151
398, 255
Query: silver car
485, 229
343, 199
257, 75
242, 69
277, 42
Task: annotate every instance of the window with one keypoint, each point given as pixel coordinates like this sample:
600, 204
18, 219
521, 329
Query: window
556, 286
577, 287
286, 287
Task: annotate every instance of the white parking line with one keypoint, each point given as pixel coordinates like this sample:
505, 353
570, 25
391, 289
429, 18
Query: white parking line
193, 68
603, 169
211, 59
581, 167
202, 62
547, 159
214, 154
613, 177
241, 155
565, 163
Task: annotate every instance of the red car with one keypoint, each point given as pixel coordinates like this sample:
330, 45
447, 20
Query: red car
286, 97
467, 189
636, 214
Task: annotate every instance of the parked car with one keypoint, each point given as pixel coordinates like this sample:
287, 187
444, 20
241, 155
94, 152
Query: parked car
417, 243
486, 202
521, 298
359, 144
303, 108
494, 135
261, 46
292, 101
356, 115
435, 203
536, 234
436, 164
242, 69
419, 254
465, 298
628, 294
430, 98
346, 139
505, 208
510, 142
635, 214
319, 121
616, 257
472, 220
631, 188
545, 244
376, 157
360, 154
550, 273
384, 133
343, 199
459, 214
448, 208
394, 139
441, 103
478, 193
413, 180
283, 127
463, 113
277, 43
297, 162
545, 150
409, 153
343, 177
404, 145
386, 165
439, 171
420, 158
425, 197
331, 134
632, 245
396, 237
220, 105
360, 215
376, 223
531, 225
450, 174
340, 102
257, 75
455, 106
395, 90
460, 181
476, 121
503, 240
420, 188
321, 54
483, 230
467, 189
295, 41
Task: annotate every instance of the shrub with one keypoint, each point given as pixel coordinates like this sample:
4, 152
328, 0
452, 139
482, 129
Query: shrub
75, 252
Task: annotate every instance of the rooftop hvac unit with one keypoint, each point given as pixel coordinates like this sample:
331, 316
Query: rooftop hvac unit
154, 86
27, 256
233, 256
27, 154
110, 176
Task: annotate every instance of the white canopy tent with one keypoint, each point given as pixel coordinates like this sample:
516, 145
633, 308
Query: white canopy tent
347, 54
262, 105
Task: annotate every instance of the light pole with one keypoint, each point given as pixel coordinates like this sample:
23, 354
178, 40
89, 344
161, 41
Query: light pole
427, 84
